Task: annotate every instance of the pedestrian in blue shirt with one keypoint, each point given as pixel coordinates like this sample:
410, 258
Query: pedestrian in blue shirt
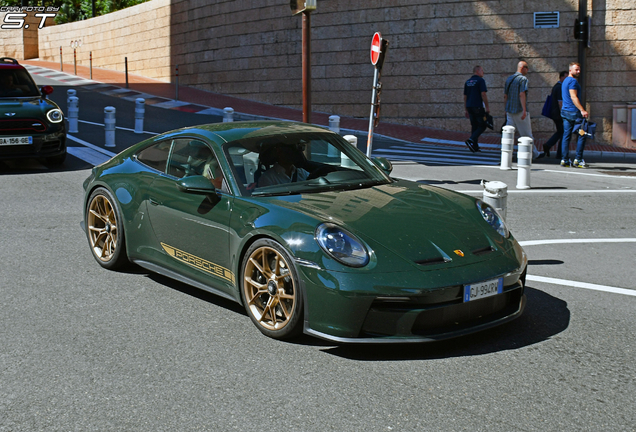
476, 103
572, 110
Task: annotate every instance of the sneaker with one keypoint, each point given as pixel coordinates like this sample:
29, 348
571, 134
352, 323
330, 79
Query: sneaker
579, 163
471, 145
565, 163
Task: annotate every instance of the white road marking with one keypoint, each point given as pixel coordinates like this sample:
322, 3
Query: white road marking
561, 241
552, 191
572, 171
583, 285
89, 155
92, 146
116, 127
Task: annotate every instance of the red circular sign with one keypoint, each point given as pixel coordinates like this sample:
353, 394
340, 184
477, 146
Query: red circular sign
375, 48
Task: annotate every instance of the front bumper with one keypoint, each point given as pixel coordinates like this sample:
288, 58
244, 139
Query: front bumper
44, 146
345, 308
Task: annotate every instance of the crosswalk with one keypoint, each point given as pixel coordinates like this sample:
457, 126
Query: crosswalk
62, 77
434, 154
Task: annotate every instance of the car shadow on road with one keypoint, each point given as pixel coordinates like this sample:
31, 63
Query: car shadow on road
544, 317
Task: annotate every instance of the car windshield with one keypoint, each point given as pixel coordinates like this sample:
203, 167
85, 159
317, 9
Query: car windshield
16, 82
300, 163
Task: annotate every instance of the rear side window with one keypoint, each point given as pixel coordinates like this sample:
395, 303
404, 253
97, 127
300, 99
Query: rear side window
156, 156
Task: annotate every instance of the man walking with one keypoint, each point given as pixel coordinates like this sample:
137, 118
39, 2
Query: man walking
476, 103
555, 115
516, 98
571, 111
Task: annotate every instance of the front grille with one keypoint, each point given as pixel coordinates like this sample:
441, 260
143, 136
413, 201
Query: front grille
21, 126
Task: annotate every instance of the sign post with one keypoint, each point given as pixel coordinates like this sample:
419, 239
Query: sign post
305, 7
379, 47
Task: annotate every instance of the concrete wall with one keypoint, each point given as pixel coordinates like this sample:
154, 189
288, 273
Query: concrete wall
22, 43
252, 49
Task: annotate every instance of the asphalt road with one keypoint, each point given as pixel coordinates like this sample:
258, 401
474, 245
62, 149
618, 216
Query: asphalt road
87, 349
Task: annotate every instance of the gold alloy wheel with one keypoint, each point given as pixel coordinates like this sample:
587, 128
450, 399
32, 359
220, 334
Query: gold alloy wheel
269, 288
102, 228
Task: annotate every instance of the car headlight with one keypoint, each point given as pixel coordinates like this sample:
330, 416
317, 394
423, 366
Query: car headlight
341, 245
55, 115
491, 216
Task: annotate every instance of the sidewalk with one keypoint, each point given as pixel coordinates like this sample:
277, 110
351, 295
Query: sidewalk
194, 100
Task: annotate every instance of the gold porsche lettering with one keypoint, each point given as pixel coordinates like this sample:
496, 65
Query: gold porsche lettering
199, 263
459, 252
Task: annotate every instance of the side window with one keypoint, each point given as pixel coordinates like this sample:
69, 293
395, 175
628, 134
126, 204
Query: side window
189, 157
156, 156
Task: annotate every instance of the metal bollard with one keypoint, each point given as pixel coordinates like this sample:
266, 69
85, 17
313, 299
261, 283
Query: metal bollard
496, 195
344, 159
524, 162
507, 147
140, 109
334, 123
69, 93
228, 115
73, 114
109, 123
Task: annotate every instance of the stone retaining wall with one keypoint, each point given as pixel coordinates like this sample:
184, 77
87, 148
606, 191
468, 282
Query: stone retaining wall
252, 49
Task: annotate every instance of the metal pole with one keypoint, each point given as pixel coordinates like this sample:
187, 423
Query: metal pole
91, 63
583, 50
61, 60
75, 60
376, 77
306, 67
176, 87
126, 66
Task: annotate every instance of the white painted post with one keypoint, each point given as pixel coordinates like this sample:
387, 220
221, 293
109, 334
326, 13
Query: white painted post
140, 110
524, 162
228, 115
69, 94
109, 123
507, 147
496, 195
334, 123
344, 159
73, 114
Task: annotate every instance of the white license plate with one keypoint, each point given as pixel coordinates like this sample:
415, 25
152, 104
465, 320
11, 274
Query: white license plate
483, 289
16, 140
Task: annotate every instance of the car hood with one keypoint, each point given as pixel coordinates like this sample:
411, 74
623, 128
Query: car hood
426, 225
34, 107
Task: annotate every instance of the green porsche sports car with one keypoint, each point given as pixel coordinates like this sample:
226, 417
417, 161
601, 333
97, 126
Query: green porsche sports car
306, 232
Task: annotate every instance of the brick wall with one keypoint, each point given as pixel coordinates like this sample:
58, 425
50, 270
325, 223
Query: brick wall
22, 43
252, 49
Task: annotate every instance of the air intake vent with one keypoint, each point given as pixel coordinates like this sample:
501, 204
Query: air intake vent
546, 19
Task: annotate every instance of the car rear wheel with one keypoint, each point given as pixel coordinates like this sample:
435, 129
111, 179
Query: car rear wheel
105, 231
271, 290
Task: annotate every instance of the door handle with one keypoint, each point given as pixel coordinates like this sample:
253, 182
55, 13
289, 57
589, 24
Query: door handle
154, 202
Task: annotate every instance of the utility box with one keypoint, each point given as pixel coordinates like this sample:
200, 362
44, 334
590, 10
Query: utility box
624, 126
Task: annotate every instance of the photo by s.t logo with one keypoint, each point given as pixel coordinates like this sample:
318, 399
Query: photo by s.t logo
15, 15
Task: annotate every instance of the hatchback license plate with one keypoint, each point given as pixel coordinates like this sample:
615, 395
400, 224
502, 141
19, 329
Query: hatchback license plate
16, 140
483, 289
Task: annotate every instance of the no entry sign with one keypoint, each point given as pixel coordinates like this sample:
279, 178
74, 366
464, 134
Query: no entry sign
376, 42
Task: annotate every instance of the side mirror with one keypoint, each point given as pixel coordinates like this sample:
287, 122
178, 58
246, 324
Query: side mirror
196, 184
46, 90
383, 164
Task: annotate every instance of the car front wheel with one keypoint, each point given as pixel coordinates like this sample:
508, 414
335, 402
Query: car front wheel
271, 290
104, 230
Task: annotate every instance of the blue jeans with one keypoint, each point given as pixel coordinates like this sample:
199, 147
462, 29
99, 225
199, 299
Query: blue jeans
569, 117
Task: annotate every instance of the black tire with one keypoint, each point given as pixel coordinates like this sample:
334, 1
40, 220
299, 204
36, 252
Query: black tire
105, 231
272, 296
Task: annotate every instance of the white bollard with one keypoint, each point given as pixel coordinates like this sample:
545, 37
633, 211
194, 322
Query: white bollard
507, 147
344, 159
228, 115
109, 123
334, 124
524, 162
73, 114
140, 110
70, 93
496, 195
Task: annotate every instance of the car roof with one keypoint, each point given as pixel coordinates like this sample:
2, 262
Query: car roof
10, 63
233, 131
